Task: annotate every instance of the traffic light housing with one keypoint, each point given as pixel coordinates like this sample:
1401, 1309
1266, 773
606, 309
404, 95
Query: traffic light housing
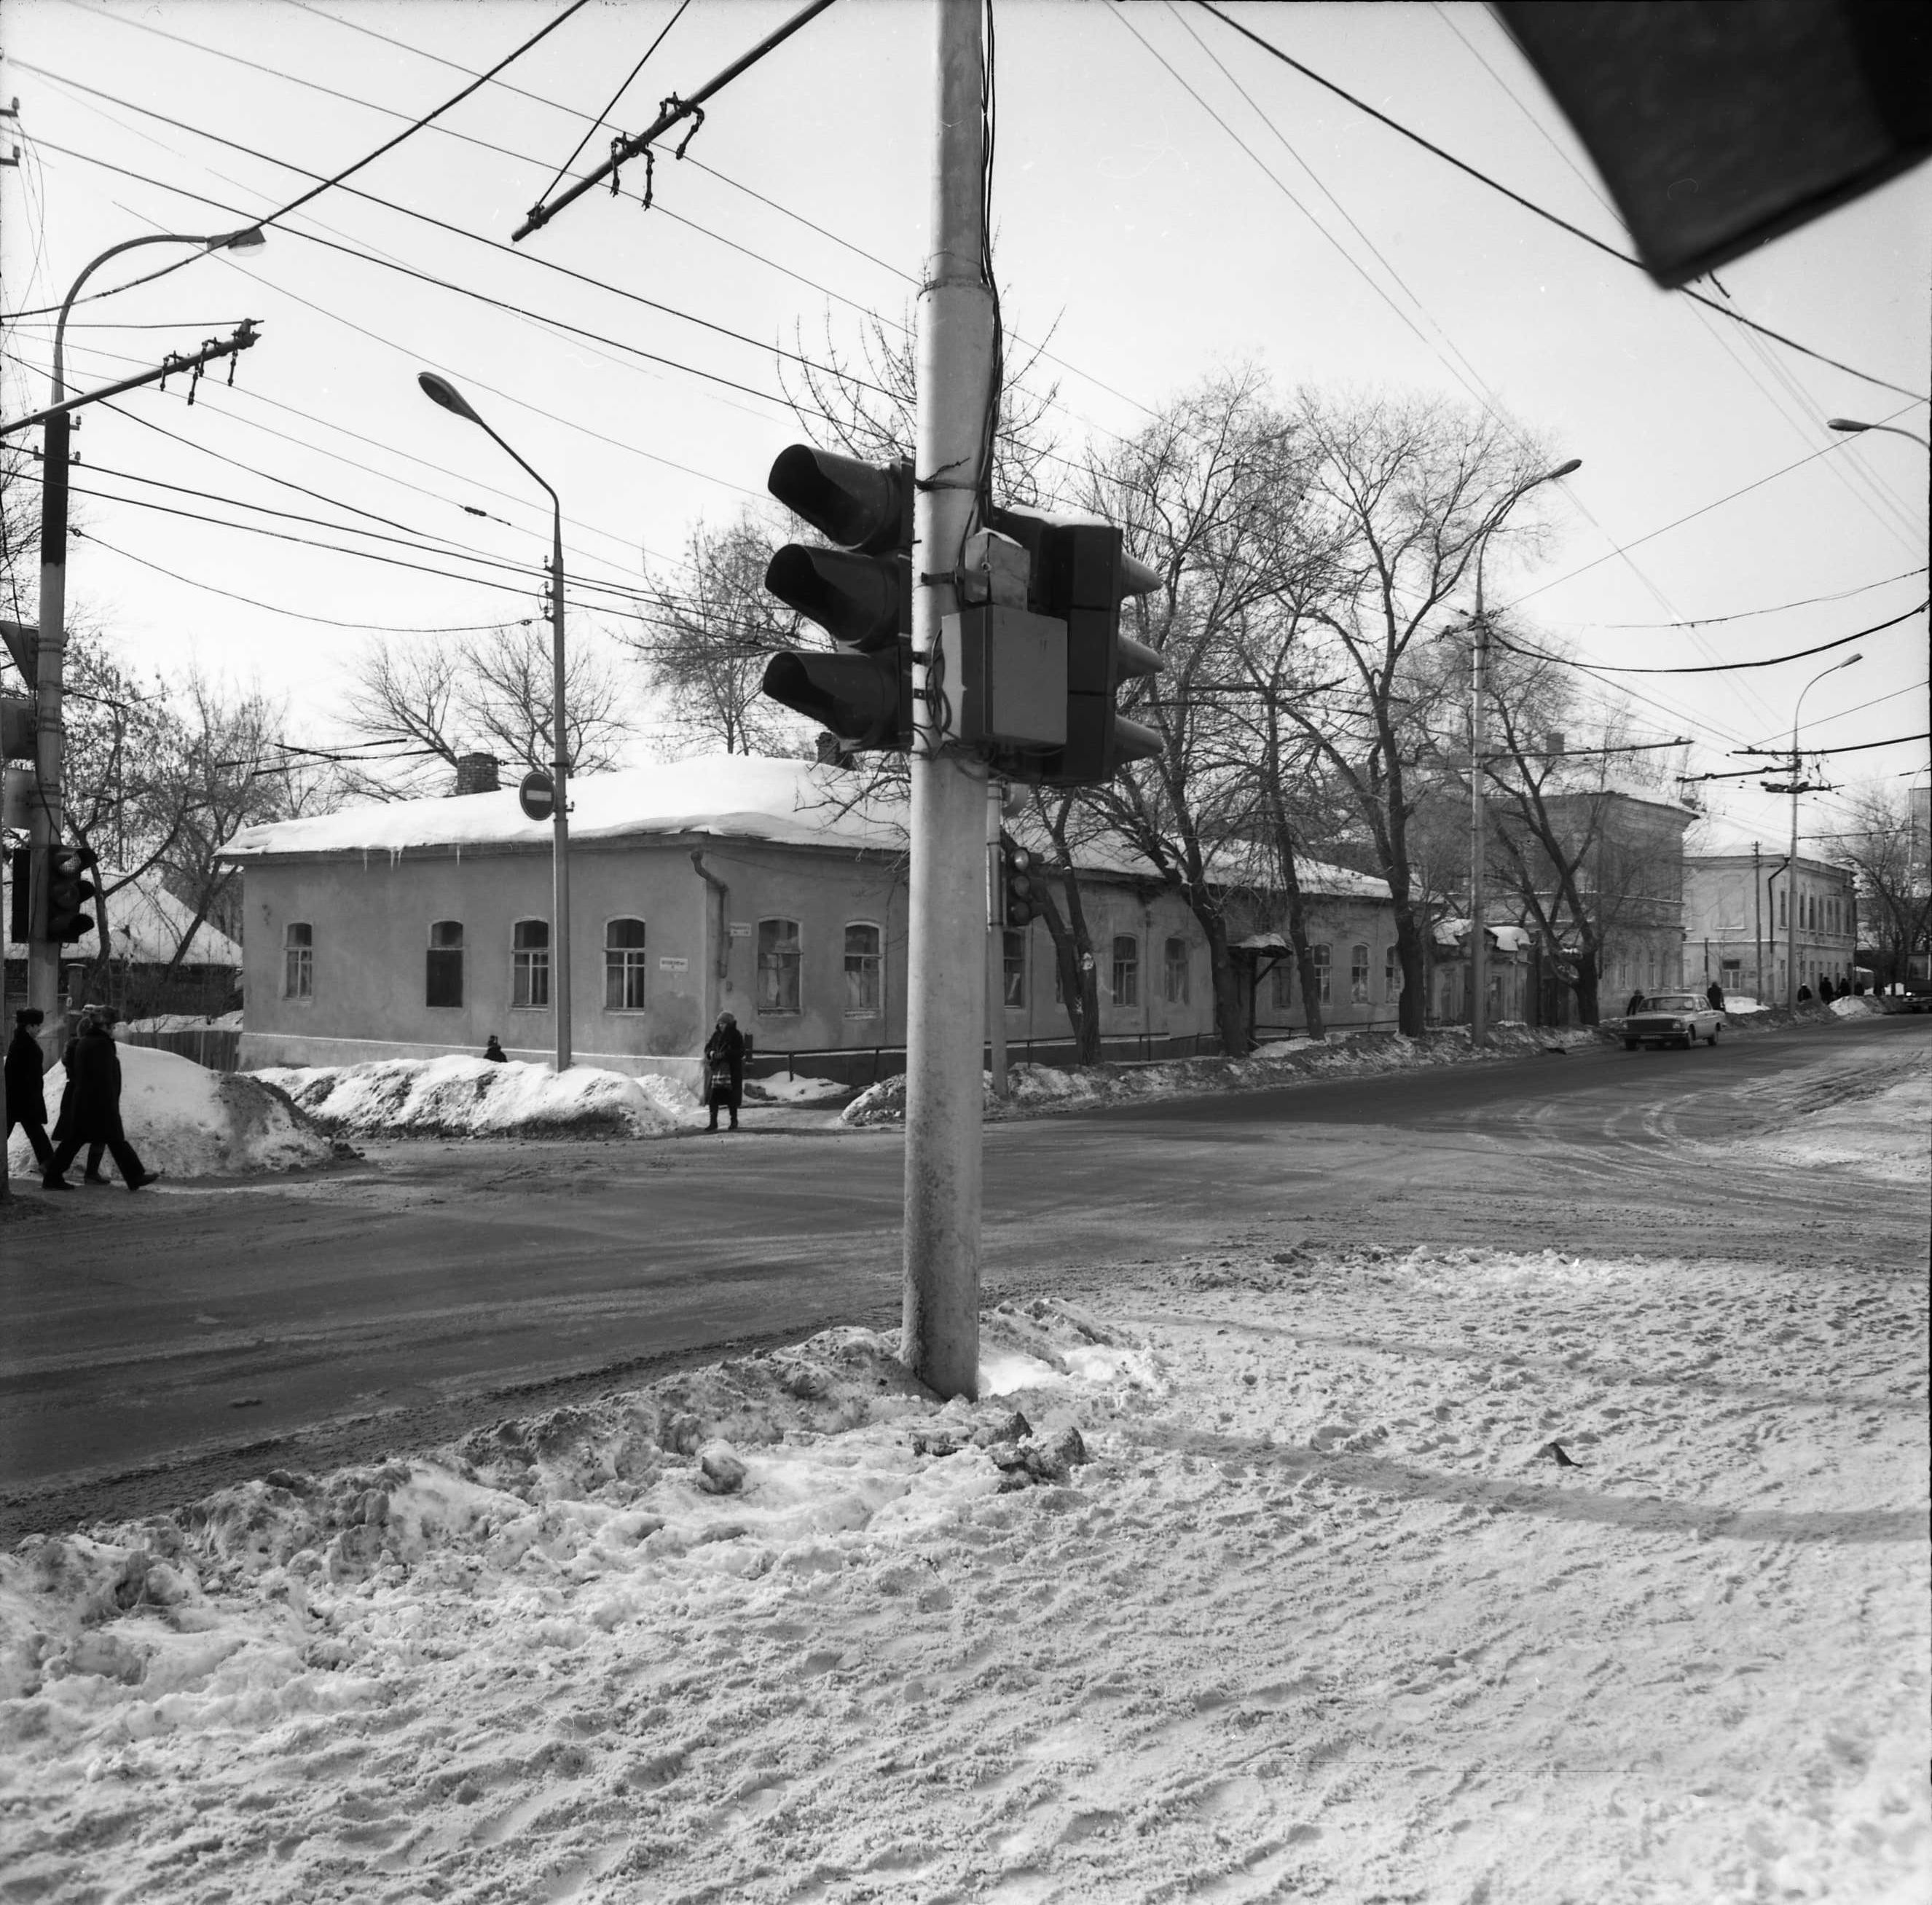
20, 882
1021, 896
69, 891
858, 591
1080, 575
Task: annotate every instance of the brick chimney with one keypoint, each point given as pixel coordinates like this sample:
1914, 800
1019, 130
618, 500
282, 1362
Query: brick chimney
476, 773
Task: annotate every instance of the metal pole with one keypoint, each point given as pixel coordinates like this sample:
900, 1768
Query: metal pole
1479, 944
946, 989
560, 817
1757, 924
996, 945
1791, 883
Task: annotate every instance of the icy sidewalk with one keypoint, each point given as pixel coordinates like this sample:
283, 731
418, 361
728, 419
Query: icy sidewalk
1321, 1615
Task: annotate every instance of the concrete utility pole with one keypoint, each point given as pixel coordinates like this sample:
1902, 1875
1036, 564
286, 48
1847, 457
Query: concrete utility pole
946, 984
1798, 785
996, 943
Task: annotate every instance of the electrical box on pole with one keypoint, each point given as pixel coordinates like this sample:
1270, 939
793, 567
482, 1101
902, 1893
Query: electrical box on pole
860, 591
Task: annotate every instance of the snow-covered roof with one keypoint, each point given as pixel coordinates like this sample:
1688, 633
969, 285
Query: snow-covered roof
732, 795
1712, 838
145, 925
1508, 939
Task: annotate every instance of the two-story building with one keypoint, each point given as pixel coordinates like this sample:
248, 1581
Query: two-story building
1749, 913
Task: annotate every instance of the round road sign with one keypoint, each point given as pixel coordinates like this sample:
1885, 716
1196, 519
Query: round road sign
536, 794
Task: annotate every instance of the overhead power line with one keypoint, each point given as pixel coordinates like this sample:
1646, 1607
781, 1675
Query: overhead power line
1777, 608
1725, 667
1529, 204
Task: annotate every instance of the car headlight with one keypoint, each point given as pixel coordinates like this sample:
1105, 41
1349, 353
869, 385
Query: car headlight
1677, 1025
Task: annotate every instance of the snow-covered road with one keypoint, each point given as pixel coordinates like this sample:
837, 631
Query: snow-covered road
1321, 1616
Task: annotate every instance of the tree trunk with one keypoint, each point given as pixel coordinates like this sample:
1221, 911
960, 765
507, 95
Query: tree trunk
1298, 937
1588, 987
1414, 1004
1230, 1017
1072, 951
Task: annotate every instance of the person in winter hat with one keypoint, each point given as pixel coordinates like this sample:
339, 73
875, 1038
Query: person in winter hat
94, 1114
724, 1070
1714, 996
494, 1052
26, 1100
87, 1016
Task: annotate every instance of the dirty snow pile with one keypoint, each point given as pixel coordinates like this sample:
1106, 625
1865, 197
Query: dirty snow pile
1883, 1131
464, 1096
1857, 1006
1272, 1586
1037, 1088
801, 1090
190, 1122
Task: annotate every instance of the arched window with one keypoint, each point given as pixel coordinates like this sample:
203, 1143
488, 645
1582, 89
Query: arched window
1391, 974
624, 965
1126, 969
443, 965
299, 960
864, 971
530, 963
1013, 966
779, 959
1324, 956
1174, 973
1358, 975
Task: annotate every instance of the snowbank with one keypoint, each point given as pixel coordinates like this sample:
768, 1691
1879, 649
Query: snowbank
1857, 1007
465, 1097
780, 1089
181, 1021
1880, 1133
1321, 1614
1041, 1088
193, 1123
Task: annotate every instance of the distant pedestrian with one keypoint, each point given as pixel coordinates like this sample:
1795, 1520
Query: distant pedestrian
1803, 995
1825, 992
495, 1052
1635, 1003
1713, 994
724, 1070
26, 1098
94, 1115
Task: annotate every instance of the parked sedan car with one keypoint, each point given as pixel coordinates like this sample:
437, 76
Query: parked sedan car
1673, 1018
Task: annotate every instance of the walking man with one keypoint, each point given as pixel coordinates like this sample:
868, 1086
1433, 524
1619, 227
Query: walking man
93, 1118
26, 1100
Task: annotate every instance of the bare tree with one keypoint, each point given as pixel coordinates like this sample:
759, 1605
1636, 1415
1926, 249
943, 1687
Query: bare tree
706, 636
429, 700
1400, 497
1885, 840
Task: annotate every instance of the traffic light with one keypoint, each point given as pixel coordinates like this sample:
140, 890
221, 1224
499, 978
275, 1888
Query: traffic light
1022, 899
69, 890
16, 727
860, 592
1081, 574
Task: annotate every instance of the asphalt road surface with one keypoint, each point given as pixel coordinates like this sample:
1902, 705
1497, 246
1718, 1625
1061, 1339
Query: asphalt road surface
160, 1345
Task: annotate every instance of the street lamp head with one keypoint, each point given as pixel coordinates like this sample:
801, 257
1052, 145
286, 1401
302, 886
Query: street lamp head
1850, 659
1566, 468
252, 239
1845, 423
440, 390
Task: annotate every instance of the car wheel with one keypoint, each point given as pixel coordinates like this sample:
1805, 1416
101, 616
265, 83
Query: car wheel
1714, 1034
1629, 1045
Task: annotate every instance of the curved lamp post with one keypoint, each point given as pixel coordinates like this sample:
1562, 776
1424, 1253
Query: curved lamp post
440, 390
1791, 879
1853, 428
1479, 944
45, 818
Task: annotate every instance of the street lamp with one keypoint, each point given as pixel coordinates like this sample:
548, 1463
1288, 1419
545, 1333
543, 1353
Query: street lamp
45, 818
1851, 427
440, 390
1791, 877
1479, 945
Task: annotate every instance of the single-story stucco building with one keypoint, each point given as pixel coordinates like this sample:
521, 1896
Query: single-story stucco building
730, 883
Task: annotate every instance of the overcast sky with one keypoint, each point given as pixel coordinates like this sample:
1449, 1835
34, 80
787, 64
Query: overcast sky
1157, 233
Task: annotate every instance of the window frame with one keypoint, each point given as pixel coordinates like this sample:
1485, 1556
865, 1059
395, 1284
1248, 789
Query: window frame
1172, 967
623, 964
299, 960
1126, 973
1323, 955
528, 961
788, 958
1359, 969
871, 969
1281, 983
440, 956
1392, 972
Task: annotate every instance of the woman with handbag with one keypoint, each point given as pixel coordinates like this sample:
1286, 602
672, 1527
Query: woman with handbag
724, 1070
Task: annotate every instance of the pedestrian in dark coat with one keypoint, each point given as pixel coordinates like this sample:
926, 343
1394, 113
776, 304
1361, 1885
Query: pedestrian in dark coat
26, 1097
1635, 1003
724, 1070
1825, 993
94, 1115
495, 1053
1713, 994
1803, 995
63, 1123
